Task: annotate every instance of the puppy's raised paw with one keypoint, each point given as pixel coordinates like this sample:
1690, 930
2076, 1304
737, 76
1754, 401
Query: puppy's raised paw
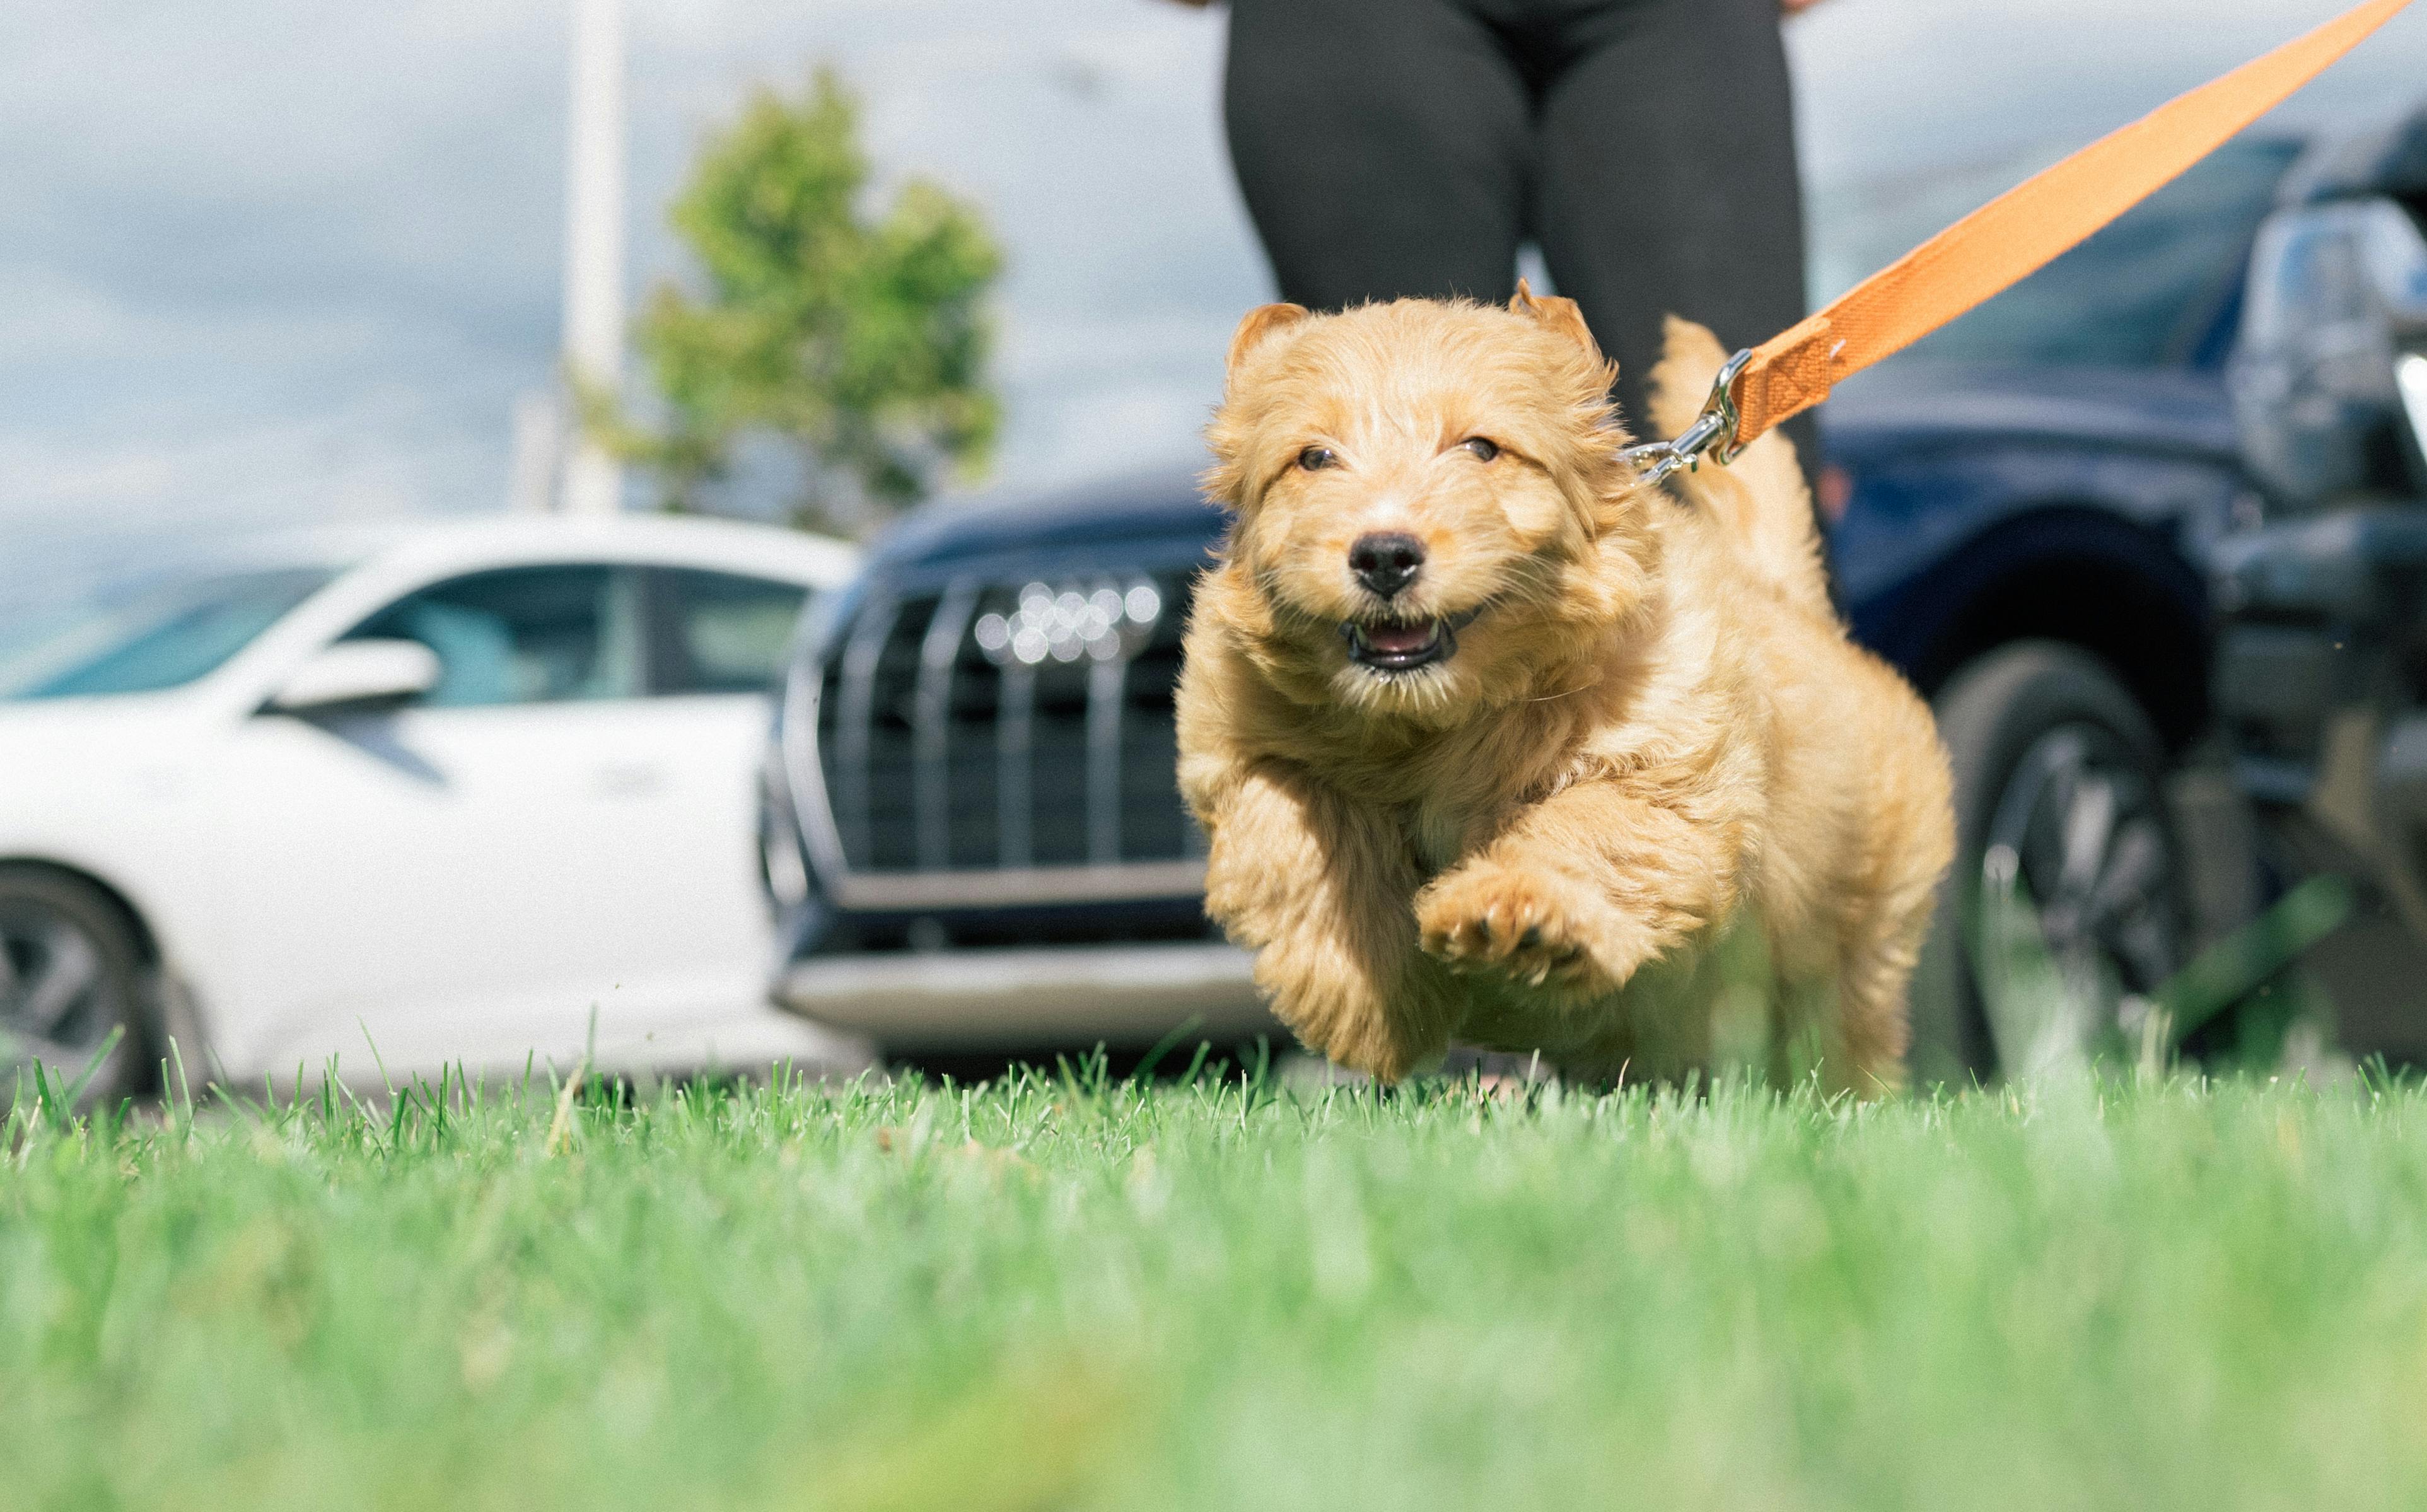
1531, 928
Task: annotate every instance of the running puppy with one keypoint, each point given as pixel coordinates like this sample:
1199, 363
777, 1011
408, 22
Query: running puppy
1495, 743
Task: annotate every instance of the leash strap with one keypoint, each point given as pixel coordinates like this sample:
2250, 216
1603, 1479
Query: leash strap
1997, 246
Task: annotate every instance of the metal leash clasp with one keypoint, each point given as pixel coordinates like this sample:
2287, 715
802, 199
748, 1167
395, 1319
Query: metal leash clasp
1712, 435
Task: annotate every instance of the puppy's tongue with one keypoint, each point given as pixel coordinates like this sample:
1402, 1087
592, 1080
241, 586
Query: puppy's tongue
1398, 640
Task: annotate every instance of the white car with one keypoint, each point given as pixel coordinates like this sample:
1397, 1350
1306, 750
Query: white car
425, 799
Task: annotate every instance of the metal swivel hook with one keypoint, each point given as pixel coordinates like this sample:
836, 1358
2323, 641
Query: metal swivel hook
1712, 435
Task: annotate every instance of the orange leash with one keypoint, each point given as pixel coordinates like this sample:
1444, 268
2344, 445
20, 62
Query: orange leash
1998, 245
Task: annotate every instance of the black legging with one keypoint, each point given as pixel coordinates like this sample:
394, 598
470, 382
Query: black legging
1407, 147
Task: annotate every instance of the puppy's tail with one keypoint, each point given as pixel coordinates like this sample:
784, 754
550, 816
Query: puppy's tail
1759, 501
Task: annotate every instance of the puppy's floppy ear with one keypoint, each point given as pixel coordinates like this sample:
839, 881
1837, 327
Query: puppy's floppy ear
1261, 322
1556, 313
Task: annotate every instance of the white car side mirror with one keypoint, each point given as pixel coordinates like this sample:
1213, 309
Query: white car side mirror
357, 675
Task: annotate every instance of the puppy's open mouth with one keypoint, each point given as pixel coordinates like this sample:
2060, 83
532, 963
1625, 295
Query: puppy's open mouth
1403, 646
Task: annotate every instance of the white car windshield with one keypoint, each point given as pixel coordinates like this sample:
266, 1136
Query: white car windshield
161, 632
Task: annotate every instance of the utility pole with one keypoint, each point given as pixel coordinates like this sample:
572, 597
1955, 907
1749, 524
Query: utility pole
593, 242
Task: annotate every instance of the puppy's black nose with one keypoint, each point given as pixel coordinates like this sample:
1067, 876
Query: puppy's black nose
1386, 563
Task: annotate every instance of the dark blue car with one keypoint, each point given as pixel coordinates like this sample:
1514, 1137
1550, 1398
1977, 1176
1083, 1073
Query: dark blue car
972, 833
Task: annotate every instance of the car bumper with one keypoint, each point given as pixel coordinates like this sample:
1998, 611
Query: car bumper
1028, 996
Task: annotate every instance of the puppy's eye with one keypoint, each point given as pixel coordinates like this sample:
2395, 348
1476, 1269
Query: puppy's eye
1315, 458
1483, 447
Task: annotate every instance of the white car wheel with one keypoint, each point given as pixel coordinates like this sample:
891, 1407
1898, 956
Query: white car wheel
70, 973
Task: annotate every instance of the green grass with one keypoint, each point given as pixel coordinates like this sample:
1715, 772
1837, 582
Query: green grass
1074, 1293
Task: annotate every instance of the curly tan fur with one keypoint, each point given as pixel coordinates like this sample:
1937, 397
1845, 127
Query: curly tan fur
1655, 793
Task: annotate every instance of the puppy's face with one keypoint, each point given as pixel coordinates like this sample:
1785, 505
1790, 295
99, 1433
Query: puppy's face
1431, 506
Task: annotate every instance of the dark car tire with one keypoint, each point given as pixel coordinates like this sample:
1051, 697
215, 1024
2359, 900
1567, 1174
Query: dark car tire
71, 959
2003, 718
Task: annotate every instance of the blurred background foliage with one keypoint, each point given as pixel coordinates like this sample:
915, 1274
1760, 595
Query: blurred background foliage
858, 341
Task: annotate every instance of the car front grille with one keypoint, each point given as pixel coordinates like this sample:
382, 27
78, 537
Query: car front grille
994, 742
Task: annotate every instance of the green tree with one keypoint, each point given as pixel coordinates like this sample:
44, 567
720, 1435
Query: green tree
859, 341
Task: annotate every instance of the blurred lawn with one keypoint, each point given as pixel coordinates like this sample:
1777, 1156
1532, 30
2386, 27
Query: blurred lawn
1075, 1294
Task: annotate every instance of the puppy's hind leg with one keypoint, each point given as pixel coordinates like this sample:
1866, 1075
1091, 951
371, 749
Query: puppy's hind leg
1863, 1048
1908, 835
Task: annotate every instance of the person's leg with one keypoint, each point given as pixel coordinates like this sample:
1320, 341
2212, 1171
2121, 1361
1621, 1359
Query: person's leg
1668, 177
1384, 147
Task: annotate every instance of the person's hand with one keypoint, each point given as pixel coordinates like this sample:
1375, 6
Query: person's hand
1786, 7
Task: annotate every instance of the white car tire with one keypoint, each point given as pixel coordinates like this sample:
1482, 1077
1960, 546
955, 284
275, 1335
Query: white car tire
72, 971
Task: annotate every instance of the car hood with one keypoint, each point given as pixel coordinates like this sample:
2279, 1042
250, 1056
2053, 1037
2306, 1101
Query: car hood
1899, 408
1162, 504
1915, 404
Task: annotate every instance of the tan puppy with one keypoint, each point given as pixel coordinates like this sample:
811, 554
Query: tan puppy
1496, 743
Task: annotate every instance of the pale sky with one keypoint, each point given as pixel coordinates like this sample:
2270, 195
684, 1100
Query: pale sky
276, 261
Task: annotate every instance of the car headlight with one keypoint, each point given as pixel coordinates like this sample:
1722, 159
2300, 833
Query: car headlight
2410, 381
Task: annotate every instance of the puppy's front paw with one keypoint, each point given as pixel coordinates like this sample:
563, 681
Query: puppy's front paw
1531, 928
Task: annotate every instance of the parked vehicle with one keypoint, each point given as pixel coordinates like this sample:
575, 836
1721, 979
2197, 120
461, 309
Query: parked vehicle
2322, 666
421, 797
973, 831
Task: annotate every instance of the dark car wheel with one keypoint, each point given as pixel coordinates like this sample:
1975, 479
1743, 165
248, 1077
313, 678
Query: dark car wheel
2060, 805
69, 973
